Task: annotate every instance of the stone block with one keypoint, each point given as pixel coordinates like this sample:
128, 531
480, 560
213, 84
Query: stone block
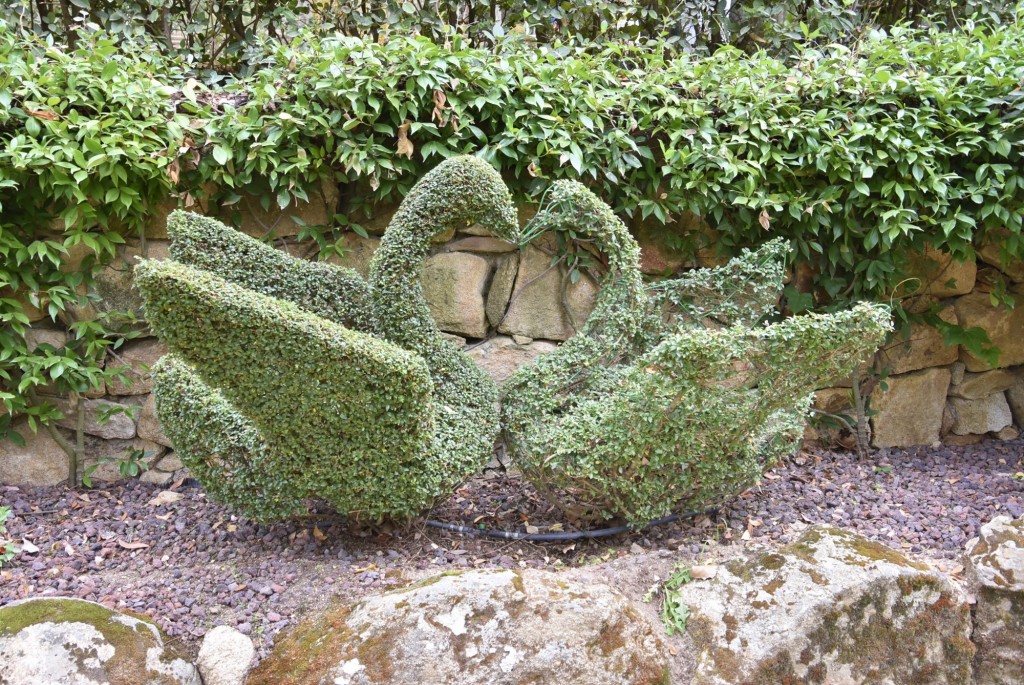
139, 356
454, 285
536, 307
976, 386
357, 254
119, 425
149, 424
501, 356
939, 274
1003, 326
40, 462
986, 415
257, 221
910, 410
924, 348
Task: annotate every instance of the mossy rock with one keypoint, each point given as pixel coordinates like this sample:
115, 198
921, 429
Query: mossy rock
72, 641
832, 607
475, 628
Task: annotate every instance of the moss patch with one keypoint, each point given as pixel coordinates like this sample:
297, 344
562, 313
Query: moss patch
131, 643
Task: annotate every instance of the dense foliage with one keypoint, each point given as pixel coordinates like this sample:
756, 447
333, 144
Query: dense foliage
858, 156
278, 390
216, 33
676, 398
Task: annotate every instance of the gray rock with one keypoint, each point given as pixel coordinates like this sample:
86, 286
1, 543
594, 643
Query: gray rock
834, 607
157, 476
501, 356
74, 642
453, 285
989, 414
910, 410
40, 462
169, 462
149, 424
995, 570
120, 423
225, 657
1015, 398
478, 628
138, 357
990, 253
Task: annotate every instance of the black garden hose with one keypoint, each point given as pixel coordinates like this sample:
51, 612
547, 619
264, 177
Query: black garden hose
562, 537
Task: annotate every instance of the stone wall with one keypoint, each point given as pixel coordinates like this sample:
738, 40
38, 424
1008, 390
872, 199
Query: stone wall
507, 306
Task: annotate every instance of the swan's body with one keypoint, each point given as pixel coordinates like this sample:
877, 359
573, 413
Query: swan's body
652, 406
290, 380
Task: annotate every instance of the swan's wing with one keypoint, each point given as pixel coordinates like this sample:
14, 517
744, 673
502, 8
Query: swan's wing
743, 291
345, 409
221, 448
687, 425
334, 293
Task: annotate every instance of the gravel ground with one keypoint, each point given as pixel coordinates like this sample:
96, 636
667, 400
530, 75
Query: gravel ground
191, 564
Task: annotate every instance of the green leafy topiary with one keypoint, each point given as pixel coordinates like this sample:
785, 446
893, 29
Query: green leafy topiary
270, 396
670, 397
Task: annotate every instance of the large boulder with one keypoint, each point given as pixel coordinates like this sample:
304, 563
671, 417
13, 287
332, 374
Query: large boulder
476, 628
910, 409
357, 253
454, 284
149, 424
995, 565
74, 642
833, 607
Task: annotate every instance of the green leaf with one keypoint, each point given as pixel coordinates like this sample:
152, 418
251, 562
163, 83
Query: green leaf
221, 154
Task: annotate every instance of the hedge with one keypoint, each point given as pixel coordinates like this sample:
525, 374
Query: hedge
856, 156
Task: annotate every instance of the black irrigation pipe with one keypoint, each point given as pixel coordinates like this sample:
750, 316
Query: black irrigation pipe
563, 537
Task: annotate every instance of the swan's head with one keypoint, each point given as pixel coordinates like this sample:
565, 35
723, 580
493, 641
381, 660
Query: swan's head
459, 192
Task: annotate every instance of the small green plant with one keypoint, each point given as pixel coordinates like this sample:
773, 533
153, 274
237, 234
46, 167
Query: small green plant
8, 550
674, 612
130, 465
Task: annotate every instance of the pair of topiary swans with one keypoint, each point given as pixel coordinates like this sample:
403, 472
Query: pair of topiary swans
290, 380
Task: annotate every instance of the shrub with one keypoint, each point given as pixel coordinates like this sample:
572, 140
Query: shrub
270, 400
675, 399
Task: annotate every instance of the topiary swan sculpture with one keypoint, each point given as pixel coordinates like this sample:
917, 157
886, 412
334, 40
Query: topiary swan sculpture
670, 396
290, 380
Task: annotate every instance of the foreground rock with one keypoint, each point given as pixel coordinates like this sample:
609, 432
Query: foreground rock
995, 564
225, 657
834, 607
74, 642
475, 628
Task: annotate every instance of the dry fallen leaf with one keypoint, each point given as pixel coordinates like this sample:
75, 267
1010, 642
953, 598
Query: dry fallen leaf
27, 547
764, 219
405, 146
703, 572
532, 530
165, 497
131, 545
318, 534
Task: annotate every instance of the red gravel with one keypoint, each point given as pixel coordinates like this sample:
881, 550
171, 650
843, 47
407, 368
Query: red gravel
191, 564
